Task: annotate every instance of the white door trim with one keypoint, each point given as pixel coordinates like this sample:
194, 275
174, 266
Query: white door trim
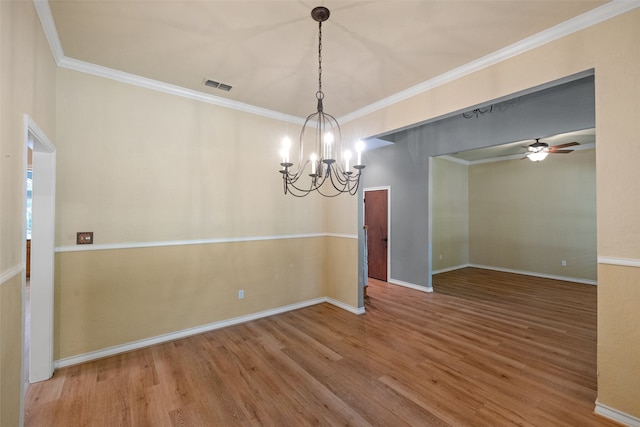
42, 249
430, 224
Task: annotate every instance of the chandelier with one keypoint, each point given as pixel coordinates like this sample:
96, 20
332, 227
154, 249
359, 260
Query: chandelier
328, 163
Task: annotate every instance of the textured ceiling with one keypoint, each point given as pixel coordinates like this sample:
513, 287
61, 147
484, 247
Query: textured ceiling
267, 50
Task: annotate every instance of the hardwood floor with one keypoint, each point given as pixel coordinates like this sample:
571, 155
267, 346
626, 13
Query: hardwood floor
486, 349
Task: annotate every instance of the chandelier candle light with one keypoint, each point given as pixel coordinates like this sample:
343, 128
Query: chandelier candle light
327, 137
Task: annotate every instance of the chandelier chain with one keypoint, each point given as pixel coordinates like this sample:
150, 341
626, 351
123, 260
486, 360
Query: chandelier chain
320, 59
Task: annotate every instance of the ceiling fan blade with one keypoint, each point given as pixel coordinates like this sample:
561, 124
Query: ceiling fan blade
568, 144
559, 151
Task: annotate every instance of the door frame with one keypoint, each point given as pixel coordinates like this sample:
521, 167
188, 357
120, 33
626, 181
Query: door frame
430, 225
366, 260
42, 250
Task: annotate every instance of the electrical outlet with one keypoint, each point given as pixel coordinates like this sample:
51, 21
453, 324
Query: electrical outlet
240, 294
84, 238
564, 262
440, 256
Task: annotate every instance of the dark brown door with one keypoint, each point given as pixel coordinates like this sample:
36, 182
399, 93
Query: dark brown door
375, 218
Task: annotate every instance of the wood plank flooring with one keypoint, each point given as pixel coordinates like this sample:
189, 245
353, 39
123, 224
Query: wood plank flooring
486, 349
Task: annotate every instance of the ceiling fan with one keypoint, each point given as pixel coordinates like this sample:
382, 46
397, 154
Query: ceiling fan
539, 150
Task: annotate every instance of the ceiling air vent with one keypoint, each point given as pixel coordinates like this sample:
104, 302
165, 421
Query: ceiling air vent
217, 85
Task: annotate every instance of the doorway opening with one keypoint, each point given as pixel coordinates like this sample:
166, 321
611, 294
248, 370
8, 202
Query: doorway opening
27, 296
489, 209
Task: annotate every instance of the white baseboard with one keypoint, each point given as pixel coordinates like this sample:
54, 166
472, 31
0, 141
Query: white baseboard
354, 310
455, 267
615, 415
410, 285
533, 273
99, 354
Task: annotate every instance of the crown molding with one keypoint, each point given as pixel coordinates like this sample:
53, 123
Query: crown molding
49, 26
588, 19
132, 79
595, 16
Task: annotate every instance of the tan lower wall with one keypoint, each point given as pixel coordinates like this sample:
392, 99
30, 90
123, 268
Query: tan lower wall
10, 350
618, 338
342, 270
106, 298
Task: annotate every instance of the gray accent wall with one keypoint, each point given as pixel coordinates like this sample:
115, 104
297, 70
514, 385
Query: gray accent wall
404, 165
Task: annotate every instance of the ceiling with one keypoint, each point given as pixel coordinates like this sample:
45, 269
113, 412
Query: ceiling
516, 150
267, 50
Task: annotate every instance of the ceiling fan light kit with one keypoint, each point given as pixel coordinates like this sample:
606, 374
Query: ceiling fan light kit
537, 156
538, 151
328, 163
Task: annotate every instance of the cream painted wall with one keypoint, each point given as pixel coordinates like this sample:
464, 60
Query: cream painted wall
341, 257
135, 165
530, 216
450, 214
618, 208
27, 86
341, 215
611, 49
